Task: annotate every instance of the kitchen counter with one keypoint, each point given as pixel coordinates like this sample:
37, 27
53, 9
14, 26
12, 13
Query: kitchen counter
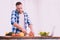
28, 38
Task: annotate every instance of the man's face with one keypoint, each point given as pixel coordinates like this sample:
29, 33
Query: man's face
19, 8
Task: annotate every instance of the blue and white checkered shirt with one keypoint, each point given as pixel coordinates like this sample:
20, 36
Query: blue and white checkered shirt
15, 18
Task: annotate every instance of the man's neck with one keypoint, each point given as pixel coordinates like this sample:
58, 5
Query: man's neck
20, 12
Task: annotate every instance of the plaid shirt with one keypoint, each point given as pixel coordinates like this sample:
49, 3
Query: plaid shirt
15, 18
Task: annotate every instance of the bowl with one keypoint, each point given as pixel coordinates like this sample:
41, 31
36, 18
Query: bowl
44, 33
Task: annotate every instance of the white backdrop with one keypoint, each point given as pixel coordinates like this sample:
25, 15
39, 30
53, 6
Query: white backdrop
44, 14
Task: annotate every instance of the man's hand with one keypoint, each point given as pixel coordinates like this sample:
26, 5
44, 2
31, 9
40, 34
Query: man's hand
31, 34
31, 31
24, 31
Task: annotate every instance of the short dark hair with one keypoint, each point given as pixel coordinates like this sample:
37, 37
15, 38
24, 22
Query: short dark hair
18, 3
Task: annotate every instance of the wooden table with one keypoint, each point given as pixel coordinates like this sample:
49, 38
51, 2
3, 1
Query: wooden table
29, 38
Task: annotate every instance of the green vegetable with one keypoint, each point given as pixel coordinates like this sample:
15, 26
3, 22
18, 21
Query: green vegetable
9, 34
43, 33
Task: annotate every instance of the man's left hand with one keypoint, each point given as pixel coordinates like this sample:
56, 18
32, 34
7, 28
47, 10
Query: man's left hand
31, 34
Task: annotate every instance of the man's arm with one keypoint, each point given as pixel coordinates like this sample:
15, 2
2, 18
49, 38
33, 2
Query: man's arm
30, 26
31, 33
19, 27
29, 23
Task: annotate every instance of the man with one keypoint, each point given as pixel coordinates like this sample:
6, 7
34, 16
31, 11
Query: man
20, 19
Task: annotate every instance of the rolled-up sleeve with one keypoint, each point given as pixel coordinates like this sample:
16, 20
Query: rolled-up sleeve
28, 20
13, 17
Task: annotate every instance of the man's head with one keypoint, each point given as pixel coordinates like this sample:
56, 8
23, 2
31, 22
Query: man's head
19, 7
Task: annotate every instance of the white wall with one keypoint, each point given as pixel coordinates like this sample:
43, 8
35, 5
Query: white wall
4, 16
43, 13
49, 11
